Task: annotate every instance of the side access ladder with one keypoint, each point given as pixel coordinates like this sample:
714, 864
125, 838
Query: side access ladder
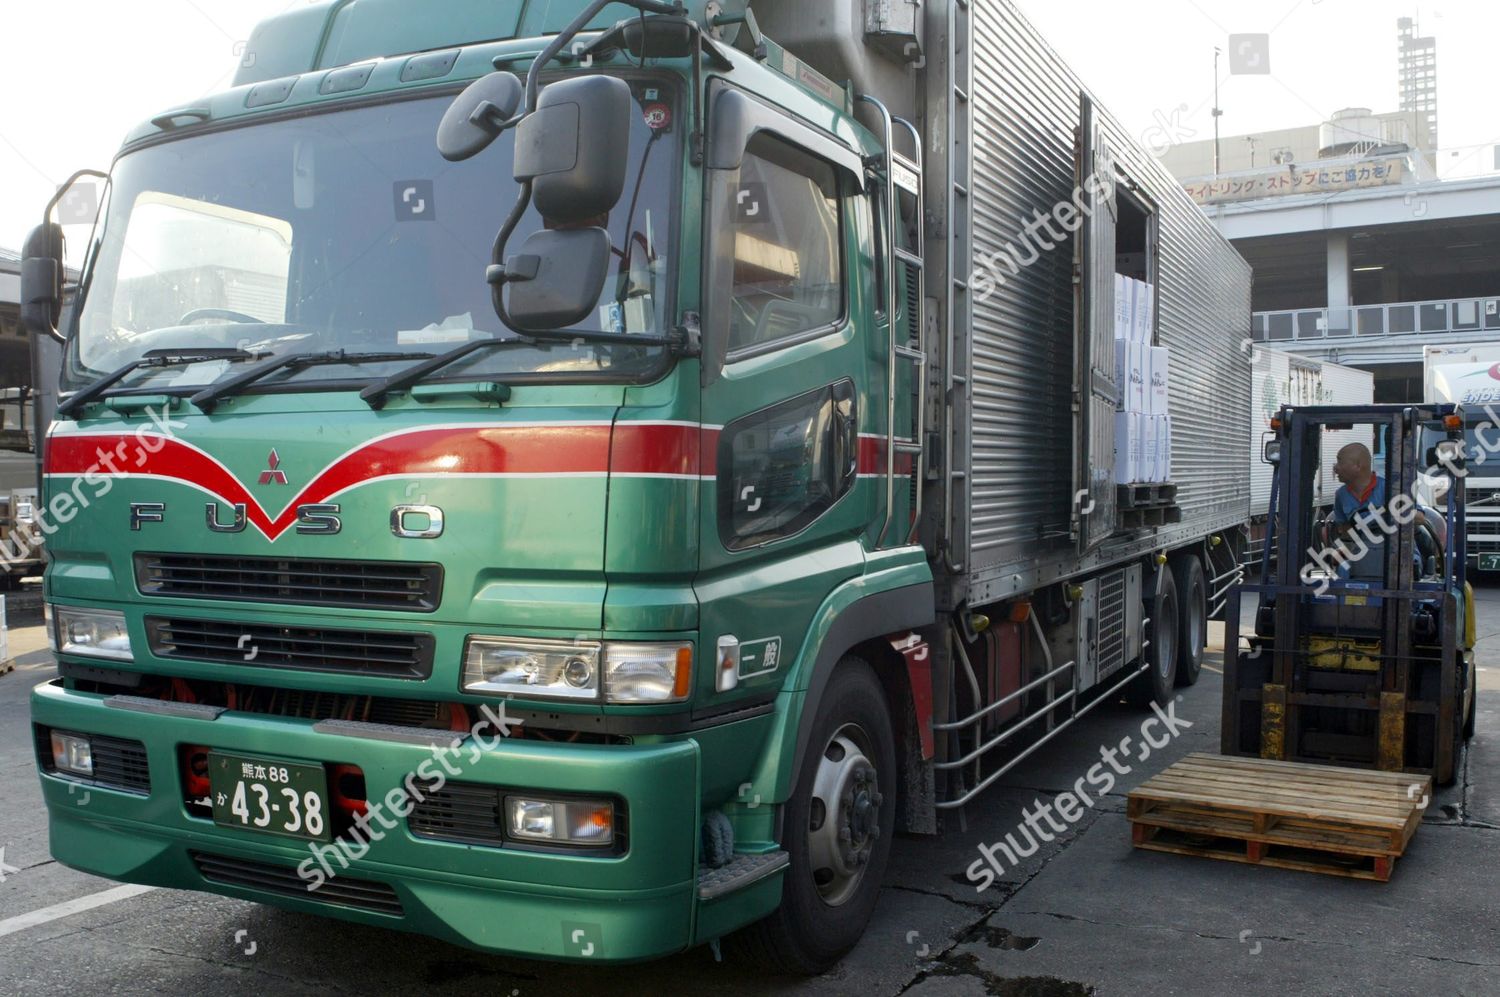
903, 212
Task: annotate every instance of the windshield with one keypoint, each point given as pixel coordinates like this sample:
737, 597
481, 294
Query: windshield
1481, 448
346, 230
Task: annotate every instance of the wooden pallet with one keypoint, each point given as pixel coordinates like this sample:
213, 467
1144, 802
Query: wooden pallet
1147, 496
1146, 506
1316, 818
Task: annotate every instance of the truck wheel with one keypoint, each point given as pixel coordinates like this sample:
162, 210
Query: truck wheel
1192, 636
839, 824
1155, 683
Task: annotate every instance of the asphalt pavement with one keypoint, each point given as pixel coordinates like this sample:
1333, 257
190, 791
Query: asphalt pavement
1086, 914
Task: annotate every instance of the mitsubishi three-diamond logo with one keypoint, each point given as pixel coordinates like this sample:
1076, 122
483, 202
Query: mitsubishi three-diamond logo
272, 475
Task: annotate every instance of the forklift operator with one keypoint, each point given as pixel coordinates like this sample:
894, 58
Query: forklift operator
1362, 488
1361, 497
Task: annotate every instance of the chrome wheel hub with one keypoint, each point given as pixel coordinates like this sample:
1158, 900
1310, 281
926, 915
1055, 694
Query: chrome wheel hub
844, 817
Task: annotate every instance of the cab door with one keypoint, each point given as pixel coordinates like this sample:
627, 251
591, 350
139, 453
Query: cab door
791, 383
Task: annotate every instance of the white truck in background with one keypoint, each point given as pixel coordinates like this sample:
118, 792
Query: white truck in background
1279, 378
1470, 376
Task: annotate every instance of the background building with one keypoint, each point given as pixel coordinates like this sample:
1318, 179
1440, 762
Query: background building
1361, 255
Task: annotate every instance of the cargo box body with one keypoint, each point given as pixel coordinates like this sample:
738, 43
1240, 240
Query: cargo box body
1035, 346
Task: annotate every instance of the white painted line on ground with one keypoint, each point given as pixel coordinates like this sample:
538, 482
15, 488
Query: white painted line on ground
67, 909
1216, 671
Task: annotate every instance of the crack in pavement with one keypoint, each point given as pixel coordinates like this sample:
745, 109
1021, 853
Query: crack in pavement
976, 905
962, 936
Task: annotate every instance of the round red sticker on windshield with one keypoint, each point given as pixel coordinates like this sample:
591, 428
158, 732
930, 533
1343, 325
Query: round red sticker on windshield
658, 116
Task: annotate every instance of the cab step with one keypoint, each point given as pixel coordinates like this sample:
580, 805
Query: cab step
741, 871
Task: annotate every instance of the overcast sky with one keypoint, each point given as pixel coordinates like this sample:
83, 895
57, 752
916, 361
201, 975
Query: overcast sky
79, 73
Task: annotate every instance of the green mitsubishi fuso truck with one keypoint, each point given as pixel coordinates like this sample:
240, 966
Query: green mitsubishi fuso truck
576, 480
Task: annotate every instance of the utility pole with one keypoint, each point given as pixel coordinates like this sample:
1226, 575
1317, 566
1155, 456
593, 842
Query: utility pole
1218, 112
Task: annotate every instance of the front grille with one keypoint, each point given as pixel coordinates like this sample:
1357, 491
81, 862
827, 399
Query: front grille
340, 890
396, 585
460, 812
350, 652
118, 763
1484, 535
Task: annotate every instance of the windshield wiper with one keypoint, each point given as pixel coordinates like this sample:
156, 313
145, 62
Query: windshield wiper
209, 397
375, 394
170, 357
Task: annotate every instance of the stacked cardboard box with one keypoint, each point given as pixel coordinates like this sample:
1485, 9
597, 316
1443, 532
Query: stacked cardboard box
1143, 424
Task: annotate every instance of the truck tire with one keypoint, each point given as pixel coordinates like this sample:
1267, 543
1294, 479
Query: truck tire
1155, 684
1192, 635
839, 824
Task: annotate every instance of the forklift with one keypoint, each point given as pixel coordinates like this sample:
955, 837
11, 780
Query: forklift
1363, 650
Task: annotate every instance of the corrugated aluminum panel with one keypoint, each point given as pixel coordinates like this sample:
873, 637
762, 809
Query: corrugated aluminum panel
1025, 106
1025, 151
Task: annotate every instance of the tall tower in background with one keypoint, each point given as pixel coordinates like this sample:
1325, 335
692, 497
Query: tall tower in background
1419, 85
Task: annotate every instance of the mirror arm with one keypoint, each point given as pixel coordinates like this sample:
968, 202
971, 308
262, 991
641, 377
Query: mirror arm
498, 274
63, 189
57, 277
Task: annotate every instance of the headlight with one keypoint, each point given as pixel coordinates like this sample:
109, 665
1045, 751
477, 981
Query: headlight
568, 822
625, 672
557, 669
95, 633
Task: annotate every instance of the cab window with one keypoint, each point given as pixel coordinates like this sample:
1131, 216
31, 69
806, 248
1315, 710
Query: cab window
787, 253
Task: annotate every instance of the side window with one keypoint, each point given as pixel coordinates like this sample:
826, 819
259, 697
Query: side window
784, 466
788, 258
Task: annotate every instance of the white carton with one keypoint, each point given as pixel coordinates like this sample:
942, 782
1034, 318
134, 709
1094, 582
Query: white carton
1124, 459
1144, 312
1136, 375
1124, 307
1146, 473
1156, 401
1122, 372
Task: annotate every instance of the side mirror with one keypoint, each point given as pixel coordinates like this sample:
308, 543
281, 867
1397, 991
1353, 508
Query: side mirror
478, 116
1271, 452
42, 281
1449, 454
556, 279
572, 146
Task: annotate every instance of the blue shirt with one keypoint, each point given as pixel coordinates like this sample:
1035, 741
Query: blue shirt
1346, 503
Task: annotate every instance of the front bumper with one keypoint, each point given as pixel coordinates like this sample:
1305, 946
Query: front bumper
634, 906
